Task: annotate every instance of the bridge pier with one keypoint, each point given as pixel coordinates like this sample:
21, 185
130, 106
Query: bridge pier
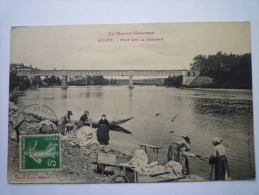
31, 79
130, 79
64, 82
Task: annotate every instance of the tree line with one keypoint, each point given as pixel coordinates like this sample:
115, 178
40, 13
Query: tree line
89, 80
92, 80
21, 82
226, 70
175, 81
17, 82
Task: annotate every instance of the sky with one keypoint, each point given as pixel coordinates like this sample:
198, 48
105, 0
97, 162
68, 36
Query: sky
77, 47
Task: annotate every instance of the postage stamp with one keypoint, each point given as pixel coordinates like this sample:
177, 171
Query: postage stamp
40, 152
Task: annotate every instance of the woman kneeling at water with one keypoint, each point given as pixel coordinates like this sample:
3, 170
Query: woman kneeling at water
83, 119
221, 163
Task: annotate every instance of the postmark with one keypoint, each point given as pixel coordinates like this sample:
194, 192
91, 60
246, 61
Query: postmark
36, 119
39, 110
40, 152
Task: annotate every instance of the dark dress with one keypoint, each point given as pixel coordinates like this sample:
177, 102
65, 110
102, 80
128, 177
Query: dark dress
82, 121
103, 132
221, 168
222, 171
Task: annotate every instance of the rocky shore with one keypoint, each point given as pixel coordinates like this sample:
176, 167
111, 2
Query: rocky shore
77, 158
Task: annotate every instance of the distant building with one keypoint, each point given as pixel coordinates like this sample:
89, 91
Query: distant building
20, 66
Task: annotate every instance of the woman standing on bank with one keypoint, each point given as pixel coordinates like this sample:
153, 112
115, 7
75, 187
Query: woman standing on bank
103, 131
175, 154
221, 163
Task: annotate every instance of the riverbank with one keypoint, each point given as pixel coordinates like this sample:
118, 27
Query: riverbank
77, 165
77, 159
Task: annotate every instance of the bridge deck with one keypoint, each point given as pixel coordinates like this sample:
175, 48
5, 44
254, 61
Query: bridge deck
102, 72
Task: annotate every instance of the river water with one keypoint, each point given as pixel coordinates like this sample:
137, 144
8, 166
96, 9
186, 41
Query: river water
204, 114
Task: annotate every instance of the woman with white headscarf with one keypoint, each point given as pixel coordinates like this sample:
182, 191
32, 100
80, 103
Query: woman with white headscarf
221, 163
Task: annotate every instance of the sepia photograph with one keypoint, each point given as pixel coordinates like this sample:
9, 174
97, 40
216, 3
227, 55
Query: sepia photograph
131, 103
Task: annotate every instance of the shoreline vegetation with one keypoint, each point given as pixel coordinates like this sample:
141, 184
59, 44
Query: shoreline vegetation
219, 71
226, 71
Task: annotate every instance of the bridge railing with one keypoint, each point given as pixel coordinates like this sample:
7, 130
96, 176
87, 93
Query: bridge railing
106, 72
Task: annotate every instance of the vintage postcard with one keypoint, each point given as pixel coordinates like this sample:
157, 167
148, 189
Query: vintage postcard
131, 103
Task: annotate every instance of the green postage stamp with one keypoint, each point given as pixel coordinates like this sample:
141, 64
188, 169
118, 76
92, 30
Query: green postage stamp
40, 152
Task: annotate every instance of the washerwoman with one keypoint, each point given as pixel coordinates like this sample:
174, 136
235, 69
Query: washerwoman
222, 171
174, 151
103, 131
83, 119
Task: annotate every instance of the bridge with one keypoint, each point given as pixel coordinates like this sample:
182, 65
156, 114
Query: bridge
188, 75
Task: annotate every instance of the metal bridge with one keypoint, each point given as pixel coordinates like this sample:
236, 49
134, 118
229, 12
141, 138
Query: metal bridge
187, 74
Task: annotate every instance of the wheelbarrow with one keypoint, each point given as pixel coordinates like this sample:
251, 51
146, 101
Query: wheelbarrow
126, 174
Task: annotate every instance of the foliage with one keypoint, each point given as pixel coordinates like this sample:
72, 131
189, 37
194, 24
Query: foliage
16, 81
97, 80
52, 81
224, 68
92, 80
173, 81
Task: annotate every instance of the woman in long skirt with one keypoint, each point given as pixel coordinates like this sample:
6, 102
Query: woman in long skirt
103, 131
222, 171
174, 151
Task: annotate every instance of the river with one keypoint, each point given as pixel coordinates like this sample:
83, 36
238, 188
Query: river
204, 114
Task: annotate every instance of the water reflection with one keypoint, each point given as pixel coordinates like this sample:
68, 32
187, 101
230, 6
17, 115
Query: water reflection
96, 92
130, 93
88, 92
64, 94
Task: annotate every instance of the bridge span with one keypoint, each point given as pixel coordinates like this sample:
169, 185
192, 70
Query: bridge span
188, 75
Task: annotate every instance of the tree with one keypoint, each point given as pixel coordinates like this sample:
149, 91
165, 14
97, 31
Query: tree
17, 81
98, 80
224, 68
173, 81
52, 81
199, 63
